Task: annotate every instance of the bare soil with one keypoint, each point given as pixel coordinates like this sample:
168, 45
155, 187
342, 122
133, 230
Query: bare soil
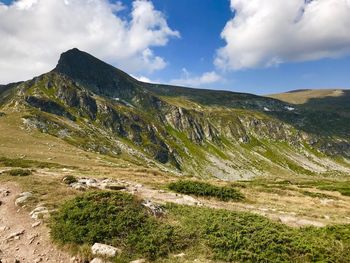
32, 244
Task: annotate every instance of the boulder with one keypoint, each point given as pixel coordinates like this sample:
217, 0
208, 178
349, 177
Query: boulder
104, 250
79, 186
156, 209
88, 182
38, 212
23, 198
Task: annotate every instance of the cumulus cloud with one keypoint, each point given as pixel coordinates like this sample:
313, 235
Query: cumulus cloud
34, 32
188, 79
142, 78
269, 32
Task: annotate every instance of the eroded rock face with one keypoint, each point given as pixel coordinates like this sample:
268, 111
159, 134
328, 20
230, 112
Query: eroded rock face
196, 126
49, 106
104, 250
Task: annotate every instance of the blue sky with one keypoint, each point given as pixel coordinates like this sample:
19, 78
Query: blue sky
279, 63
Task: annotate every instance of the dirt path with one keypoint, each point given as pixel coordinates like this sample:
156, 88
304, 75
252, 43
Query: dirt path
29, 243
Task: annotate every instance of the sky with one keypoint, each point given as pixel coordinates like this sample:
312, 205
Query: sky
255, 46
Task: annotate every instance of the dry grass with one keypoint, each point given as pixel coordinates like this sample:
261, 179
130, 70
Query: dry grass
303, 96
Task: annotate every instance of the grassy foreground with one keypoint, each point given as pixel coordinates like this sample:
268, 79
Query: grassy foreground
119, 219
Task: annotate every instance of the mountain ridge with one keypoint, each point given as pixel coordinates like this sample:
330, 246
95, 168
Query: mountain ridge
205, 133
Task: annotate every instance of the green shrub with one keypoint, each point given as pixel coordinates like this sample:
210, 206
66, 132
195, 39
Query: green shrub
19, 172
244, 237
205, 189
117, 219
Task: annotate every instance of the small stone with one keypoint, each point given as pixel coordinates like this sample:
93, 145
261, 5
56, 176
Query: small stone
15, 234
32, 238
180, 255
104, 250
4, 228
36, 224
142, 260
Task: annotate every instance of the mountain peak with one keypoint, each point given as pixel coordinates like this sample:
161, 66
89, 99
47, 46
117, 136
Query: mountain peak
92, 72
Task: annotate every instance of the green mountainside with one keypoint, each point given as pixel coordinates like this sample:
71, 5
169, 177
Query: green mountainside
204, 133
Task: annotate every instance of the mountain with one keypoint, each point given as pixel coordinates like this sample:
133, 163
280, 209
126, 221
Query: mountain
98, 108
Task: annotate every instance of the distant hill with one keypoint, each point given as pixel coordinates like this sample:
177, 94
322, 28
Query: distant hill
306, 95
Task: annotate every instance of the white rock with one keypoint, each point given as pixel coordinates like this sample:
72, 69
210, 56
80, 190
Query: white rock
15, 234
142, 260
36, 224
104, 250
23, 197
179, 255
38, 212
4, 228
79, 186
156, 209
97, 260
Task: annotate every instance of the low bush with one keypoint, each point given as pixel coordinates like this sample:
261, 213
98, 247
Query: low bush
117, 219
245, 237
204, 189
20, 172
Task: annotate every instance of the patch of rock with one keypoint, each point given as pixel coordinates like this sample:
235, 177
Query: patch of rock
15, 235
39, 212
142, 260
99, 249
23, 198
4, 192
156, 209
84, 184
99, 260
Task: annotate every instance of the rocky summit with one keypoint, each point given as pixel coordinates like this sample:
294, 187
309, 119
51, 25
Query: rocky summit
204, 133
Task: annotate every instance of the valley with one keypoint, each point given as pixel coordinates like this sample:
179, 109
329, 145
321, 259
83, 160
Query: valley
288, 156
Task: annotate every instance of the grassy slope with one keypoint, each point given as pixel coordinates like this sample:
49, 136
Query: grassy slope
303, 96
272, 145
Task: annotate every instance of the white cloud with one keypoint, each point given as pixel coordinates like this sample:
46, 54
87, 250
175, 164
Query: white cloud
142, 78
188, 79
269, 32
34, 32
